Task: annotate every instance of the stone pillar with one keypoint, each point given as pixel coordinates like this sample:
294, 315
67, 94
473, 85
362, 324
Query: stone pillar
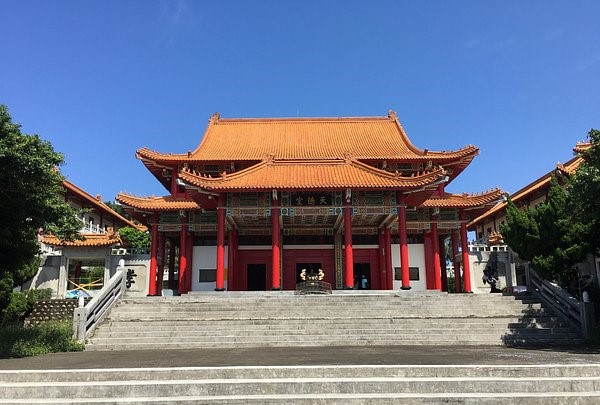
61, 289
220, 282
465, 252
276, 245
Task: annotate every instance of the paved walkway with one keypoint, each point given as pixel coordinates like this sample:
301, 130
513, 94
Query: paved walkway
373, 355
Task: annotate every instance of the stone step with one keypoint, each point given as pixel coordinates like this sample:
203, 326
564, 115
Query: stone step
294, 386
338, 371
285, 320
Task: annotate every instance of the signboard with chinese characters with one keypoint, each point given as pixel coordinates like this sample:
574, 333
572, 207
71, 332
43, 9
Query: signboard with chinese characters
311, 199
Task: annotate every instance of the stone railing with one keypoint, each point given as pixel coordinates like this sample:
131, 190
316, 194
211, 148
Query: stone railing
129, 251
87, 316
579, 314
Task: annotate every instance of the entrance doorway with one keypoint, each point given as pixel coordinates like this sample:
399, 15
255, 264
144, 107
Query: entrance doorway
257, 277
311, 269
362, 276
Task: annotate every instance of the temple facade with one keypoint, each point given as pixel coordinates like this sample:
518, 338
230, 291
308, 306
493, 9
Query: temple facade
263, 202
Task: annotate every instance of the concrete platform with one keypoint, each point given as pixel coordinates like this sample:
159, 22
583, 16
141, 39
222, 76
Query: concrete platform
291, 356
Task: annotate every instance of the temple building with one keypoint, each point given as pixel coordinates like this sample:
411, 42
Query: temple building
263, 201
70, 267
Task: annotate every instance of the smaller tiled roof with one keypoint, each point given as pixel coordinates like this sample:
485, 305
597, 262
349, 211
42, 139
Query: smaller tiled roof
543, 182
302, 175
582, 147
98, 204
90, 240
465, 200
165, 203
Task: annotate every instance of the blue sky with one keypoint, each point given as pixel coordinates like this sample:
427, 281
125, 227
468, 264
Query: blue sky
519, 79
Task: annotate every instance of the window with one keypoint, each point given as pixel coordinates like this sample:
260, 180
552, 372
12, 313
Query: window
207, 275
413, 273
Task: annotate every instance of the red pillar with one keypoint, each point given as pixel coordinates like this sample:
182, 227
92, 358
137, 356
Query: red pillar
220, 282
403, 243
388, 258
465, 252
349, 265
276, 247
435, 247
231, 262
153, 252
182, 256
455, 263
161, 263
381, 257
189, 255
171, 264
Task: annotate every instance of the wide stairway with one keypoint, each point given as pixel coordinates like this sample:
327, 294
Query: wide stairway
237, 320
304, 385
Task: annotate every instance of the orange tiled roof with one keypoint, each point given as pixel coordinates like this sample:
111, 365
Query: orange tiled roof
166, 203
582, 147
364, 138
90, 240
97, 202
293, 175
465, 200
543, 182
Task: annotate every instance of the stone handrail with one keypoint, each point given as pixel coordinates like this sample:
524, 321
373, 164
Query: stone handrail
573, 310
86, 318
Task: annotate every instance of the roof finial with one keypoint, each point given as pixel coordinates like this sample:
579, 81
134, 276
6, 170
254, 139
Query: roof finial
392, 115
214, 119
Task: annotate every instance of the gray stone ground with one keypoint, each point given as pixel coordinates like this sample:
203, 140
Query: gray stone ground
372, 355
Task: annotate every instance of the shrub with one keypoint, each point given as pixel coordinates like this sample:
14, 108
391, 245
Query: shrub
50, 337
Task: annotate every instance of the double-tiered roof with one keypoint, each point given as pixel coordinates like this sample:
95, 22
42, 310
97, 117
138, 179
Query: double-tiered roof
293, 154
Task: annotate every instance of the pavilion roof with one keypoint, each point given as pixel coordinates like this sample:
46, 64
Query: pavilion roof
541, 183
89, 240
317, 174
465, 201
151, 204
309, 139
97, 203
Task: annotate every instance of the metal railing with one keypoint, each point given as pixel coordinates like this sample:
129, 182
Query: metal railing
577, 313
88, 316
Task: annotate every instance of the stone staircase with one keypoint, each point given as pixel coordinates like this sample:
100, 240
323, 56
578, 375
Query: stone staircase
304, 385
270, 319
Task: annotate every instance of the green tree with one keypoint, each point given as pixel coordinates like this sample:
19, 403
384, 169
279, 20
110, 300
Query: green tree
547, 235
134, 238
30, 200
118, 209
584, 193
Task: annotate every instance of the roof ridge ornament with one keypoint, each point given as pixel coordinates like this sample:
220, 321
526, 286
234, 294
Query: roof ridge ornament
348, 158
392, 115
214, 119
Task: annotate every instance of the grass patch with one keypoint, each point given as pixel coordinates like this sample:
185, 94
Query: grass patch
17, 340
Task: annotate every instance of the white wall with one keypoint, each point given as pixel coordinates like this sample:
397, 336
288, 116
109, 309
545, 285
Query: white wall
205, 257
416, 258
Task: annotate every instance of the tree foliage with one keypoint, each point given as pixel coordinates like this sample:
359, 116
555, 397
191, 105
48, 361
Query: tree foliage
584, 193
546, 235
562, 230
30, 200
134, 238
